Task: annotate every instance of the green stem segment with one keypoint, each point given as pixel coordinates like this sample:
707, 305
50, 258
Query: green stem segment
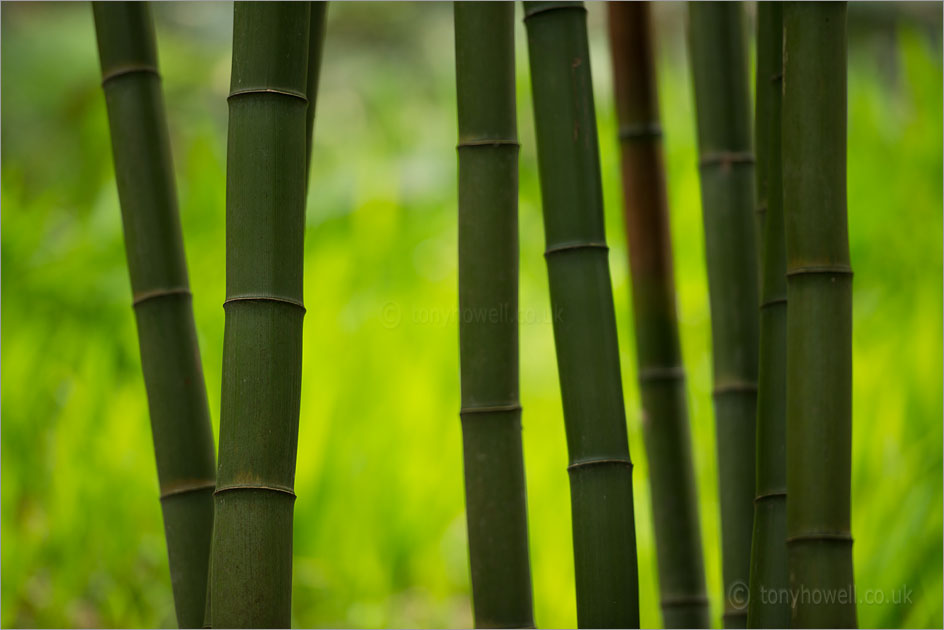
170, 357
819, 319
488, 329
584, 319
262, 346
768, 608
683, 599
316, 34
719, 70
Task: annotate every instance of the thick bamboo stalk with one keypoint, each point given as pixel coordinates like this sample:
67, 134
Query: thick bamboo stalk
819, 318
315, 50
768, 607
170, 357
262, 345
719, 71
584, 320
683, 596
495, 491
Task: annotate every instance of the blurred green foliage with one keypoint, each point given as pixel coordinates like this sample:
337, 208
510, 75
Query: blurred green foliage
379, 528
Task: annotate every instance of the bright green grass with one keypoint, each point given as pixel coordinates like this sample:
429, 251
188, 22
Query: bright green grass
379, 528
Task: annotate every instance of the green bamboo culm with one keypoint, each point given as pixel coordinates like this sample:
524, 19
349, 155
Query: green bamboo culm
683, 595
170, 357
495, 492
584, 319
768, 608
819, 315
262, 345
718, 53
316, 35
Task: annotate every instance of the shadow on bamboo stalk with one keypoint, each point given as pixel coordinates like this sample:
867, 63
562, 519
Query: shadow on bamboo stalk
683, 597
719, 71
170, 357
585, 329
819, 317
767, 607
262, 347
496, 506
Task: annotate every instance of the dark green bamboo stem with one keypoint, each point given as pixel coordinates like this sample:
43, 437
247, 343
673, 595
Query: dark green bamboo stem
584, 320
683, 594
495, 491
819, 318
262, 345
315, 50
719, 71
768, 607
170, 357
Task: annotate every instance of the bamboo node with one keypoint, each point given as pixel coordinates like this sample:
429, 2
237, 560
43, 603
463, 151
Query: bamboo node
154, 294
840, 537
282, 91
673, 373
130, 69
489, 409
641, 131
678, 601
564, 247
530, 13
264, 298
773, 302
725, 159
255, 486
488, 142
186, 487
734, 387
767, 496
600, 461
834, 270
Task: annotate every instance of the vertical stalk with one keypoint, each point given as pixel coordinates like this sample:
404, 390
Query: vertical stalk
819, 318
584, 320
495, 490
170, 357
767, 607
262, 345
719, 71
684, 601
316, 34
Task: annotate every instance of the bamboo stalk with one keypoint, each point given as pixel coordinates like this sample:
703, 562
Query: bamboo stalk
584, 320
316, 34
496, 506
683, 596
262, 346
719, 72
819, 318
768, 608
170, 356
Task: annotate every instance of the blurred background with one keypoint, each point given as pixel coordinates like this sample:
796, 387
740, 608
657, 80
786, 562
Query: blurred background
380, 528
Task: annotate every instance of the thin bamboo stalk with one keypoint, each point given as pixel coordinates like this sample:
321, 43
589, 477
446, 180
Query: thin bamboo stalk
819, 318
719, 71
496, 505
683, 599
315, 50
768, 608
262, 345
170, 356
584, 320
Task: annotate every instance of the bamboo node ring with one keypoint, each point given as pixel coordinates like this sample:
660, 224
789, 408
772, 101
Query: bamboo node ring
601, 461
834, 270
130, 69
673, 373
489, 409
734, 387
773, 302
642, 131
186, 487
766, 496
256, 486
154, 294
488, 142
565, 247
530, 13
264, 298
841, 537
284, 92
726, 159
